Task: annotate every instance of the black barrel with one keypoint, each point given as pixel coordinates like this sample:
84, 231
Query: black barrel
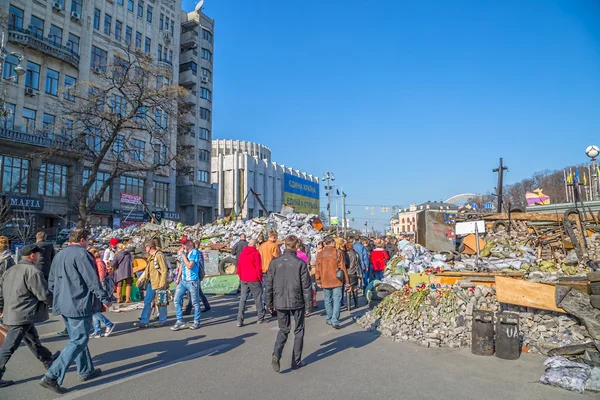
508, 341
482, 333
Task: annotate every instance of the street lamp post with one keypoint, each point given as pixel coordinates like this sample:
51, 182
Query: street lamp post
328, 177
593, 152
19, 70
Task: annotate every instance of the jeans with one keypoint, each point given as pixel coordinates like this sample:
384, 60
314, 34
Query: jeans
378, 275
283, 318
188, 308
333, 304
256, 289
192, 287
17, 334
148, 299
76, 350
98, 320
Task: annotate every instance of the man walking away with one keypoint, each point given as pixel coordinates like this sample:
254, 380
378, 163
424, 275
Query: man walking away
236, 250
363, 255
201, 273
188, 281
390, 247
250, 273
268, 251
328, 263
47, 254
24, 299
289, 292
74, 284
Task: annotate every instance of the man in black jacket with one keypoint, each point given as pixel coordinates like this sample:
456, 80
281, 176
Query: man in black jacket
24, 297
289, 292
48, 253
236, 250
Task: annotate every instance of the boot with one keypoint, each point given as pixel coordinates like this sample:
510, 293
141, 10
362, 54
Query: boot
128, 294
355, 296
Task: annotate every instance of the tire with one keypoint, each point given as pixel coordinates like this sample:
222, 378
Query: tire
384, 287
382, 294
227, 266
497, 224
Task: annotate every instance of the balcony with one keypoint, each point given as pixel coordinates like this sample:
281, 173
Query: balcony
164, 63
39, 140
188, 78
26, 38
188, 119
191, 97
189, 38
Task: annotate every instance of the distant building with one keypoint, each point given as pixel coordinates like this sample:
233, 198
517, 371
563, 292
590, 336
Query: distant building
238, 166
405, 221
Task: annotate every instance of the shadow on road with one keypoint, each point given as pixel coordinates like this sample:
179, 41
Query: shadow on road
331, 347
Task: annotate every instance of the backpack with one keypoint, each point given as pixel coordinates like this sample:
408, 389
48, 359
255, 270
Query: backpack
6, 261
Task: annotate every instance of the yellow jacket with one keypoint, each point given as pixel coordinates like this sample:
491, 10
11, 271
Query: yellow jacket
157, 270
268, 251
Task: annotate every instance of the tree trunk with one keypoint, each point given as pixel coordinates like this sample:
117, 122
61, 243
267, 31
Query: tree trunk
82, 214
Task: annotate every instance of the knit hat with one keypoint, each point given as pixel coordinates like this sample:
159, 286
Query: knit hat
114, 242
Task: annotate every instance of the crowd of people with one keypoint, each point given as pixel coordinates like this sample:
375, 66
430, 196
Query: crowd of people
80, 282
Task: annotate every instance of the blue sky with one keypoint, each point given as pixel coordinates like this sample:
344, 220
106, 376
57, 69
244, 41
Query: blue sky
409, 101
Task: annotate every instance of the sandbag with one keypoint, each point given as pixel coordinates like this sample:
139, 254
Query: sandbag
566, 374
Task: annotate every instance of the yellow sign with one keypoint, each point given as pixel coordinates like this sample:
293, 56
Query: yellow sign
301, 204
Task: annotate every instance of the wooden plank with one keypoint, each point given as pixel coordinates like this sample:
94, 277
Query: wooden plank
468, 273
529, 217
526, 294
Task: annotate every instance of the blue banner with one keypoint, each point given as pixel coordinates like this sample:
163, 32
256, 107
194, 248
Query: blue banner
300, 186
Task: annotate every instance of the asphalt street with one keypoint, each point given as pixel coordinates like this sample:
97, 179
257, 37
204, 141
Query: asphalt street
222, 361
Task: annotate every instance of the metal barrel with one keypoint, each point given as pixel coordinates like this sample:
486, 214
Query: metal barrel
482, 333
508, 340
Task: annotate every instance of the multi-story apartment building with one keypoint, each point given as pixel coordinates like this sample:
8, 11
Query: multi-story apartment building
63, 43
196, 197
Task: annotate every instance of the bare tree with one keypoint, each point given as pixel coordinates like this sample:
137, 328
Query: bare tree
126, 121
17, 223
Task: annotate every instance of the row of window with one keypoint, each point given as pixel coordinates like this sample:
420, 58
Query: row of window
32, 78
36, 28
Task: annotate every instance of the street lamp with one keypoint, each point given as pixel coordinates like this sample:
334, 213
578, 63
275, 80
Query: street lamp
19, 70
593, 152
328, 177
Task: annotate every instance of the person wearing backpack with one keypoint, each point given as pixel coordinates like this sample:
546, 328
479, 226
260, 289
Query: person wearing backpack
6, 257
354, 272
156, 273
99, 318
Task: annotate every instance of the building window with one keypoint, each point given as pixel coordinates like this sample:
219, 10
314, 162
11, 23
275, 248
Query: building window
159, 53
149, 13
203, 176
207, 74
172, 27
76, 6
32, 77
130, 5
67, 128
147, 45
128, 33
132, 185
118, 29
15, 174
166, 23
138, 40
161, 119
119, 106
9, 68
101, 177
37, 26
206, 35
15, 19
120, 2
48, 125
207, 55
73, 43
204, 155
29, 120
160, 154
161, 194
96, 19
140, 9
8, 122
138, 148
52, 82
93, 139
107, 24
140, 114
170, 56
189, 66
162, 21
204, 113
53, 180
55, 35
99, 58
205, 94
203, 134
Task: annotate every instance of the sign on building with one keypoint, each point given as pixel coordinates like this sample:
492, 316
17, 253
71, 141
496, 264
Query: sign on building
130, 198
301, 194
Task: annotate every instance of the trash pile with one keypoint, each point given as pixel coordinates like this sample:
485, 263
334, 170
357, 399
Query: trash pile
441, 316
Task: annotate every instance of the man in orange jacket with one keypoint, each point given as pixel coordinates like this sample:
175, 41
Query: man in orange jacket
250, 272
268, 251
329, 260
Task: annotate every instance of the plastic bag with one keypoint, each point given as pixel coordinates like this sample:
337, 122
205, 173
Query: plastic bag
566, 374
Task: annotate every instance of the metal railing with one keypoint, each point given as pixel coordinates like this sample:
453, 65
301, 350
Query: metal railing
41, 140
27, 38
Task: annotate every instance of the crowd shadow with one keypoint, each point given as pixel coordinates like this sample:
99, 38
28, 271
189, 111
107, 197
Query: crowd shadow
354, 340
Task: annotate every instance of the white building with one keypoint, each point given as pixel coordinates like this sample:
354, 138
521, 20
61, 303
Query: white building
238, 166
405, 221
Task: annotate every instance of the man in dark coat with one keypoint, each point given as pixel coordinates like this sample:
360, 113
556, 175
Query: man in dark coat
289, 292
47, 254
24, 299
236, 250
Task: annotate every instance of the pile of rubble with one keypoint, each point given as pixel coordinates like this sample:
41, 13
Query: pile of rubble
441, 316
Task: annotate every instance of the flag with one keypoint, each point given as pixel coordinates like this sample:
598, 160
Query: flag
576, 175
337, 191
343, 194
569, 178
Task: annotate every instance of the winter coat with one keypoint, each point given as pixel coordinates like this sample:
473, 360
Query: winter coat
75, 284
48, 254
237, 249
24, 295
353, 265
328, 262
122, 265
288, 283
109, 255
392, 249
250, 265
379, 258
268, 251
157, 270
6, 261
363, 254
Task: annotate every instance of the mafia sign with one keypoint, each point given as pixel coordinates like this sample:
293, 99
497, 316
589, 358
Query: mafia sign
26, 203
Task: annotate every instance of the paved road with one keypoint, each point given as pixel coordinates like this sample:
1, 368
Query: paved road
223, 362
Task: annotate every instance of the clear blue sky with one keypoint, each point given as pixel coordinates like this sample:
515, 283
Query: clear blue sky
409, 101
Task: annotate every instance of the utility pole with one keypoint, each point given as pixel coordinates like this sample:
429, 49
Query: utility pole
328, 177
500, 170
344, 212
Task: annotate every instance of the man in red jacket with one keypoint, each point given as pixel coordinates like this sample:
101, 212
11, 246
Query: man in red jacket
250, 272
379, 257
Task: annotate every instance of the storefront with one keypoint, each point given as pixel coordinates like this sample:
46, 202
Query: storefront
20, 217
102, 215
